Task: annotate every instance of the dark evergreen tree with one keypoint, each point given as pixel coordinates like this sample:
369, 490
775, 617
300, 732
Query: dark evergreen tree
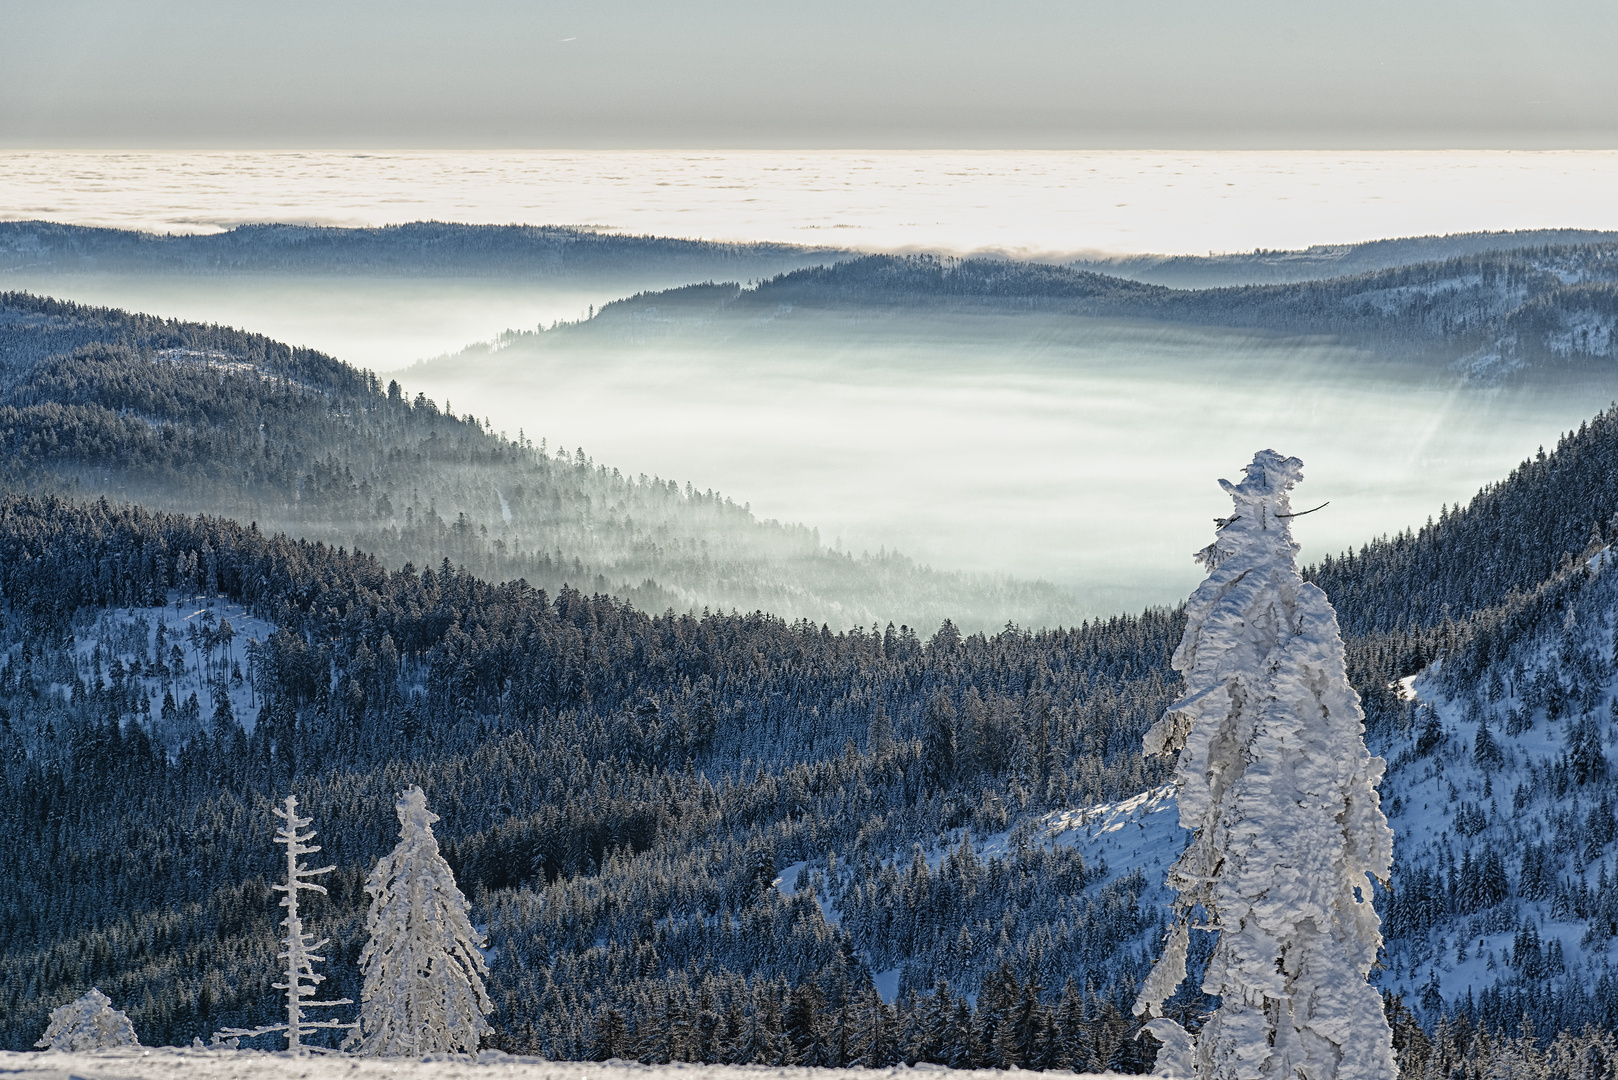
938, 740
1486, 752
1585, 755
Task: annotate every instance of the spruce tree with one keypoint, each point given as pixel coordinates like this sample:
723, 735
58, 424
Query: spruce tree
423, 991
1486, 752
879, 732
1275, 782
611, 1036
875, 1039
224, 716
1584, 754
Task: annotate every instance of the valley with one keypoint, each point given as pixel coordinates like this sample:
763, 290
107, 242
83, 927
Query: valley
719, 790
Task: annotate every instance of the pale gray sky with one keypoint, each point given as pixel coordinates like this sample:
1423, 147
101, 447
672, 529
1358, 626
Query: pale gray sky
760, 73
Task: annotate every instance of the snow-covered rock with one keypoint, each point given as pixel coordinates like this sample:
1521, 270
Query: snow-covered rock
88, 1024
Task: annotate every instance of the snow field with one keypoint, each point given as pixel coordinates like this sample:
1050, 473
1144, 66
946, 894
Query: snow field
174, 1064
1141, 833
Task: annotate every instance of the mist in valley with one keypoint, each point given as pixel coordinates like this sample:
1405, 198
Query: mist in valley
1082, 452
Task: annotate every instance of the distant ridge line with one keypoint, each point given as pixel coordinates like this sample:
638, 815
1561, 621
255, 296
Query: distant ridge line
1264, 266
421, 248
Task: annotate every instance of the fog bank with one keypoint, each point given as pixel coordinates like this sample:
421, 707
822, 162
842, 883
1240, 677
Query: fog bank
1078, 451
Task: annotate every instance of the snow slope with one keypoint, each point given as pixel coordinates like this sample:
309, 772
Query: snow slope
1530, 819
129, 636
1141, 832
170, 1064
1093, 877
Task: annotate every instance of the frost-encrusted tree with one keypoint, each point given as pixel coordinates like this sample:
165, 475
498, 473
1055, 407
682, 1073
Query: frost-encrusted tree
88, 1024
423, 972
1275, 781
300, 956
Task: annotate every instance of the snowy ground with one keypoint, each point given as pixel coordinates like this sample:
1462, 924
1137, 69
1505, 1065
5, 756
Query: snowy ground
170, 1064
1141, 832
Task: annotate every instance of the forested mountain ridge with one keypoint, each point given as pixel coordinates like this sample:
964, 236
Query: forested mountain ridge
1493, 313
417, 249
1512, 536
1498, 791
621, 790
1499, 920
432, 248
209, 419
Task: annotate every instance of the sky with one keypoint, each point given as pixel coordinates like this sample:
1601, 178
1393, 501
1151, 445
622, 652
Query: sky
834, 73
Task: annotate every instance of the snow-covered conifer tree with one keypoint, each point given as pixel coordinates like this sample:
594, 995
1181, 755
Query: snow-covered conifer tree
300, 956
423, 972
1275, 781
86, 1025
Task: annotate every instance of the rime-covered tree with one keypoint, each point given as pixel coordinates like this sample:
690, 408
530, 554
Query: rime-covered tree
87, 1024
301, 978
423, 972
1276, 784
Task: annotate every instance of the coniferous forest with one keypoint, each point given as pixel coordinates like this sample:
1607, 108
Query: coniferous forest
694, 821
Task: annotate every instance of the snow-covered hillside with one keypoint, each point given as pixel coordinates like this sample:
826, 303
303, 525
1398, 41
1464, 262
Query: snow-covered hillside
1498, 790
1504, 895
1505, 864
1075, 894
175, 665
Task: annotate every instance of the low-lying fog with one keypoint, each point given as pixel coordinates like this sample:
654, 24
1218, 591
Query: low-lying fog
1080, 452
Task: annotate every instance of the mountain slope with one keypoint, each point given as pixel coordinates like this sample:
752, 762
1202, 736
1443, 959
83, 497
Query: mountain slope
1492, 313
1498, 790
617, 789
1509, 538
620, 792
1500, 912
